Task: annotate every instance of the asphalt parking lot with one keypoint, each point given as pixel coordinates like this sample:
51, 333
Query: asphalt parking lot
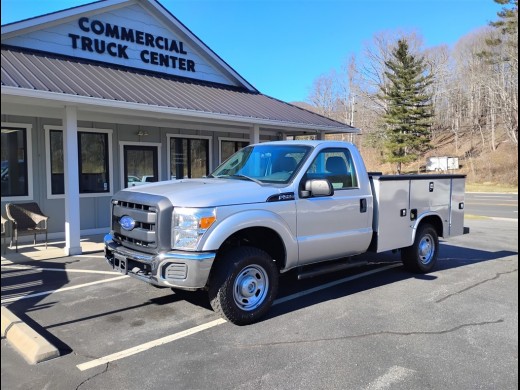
375, 327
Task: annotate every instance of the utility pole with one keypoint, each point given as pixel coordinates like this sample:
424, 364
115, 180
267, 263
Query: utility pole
352, 110
352, 116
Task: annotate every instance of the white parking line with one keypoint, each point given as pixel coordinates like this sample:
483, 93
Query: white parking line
147, 346
184, 333
26, 267
14, 299
504, 219
393, 376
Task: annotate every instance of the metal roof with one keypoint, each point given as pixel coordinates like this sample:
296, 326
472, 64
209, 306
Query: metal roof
59, 75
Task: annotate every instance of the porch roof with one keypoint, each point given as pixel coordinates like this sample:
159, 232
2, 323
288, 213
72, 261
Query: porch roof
56, 77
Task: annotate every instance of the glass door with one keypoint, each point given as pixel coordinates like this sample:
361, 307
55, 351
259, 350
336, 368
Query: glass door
140, 165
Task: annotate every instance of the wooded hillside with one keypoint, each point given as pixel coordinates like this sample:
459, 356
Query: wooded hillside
473, 92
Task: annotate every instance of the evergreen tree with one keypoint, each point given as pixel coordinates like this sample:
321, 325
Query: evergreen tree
508, 22
409, 109
507, 25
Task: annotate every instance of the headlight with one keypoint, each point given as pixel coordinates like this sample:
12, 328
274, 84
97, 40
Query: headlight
189, 225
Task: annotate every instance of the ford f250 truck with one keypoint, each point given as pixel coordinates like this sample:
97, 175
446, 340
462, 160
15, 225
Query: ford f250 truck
273, 207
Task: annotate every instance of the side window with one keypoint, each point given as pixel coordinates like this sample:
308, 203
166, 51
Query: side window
14, 173
228, 148
93, 160
336, 166
189, 157
56, 154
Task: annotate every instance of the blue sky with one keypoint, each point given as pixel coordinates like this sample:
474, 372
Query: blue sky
282, 46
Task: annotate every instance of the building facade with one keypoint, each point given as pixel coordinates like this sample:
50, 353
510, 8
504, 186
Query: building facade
118, 93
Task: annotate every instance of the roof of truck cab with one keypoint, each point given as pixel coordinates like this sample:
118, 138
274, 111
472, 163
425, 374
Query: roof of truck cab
312, 143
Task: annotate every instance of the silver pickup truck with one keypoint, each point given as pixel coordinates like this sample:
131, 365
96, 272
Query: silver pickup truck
270, 208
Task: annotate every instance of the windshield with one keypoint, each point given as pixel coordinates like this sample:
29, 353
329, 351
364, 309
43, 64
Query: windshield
264, 163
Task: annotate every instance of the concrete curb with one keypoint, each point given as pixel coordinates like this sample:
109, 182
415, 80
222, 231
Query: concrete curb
33, 347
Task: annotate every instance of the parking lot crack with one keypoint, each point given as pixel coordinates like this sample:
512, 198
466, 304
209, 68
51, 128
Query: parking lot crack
93, 376
372, 334
476, 284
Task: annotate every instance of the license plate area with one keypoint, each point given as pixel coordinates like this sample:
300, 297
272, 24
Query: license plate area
121, 264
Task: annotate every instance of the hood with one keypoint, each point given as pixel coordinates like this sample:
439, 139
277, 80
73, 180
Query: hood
209, 192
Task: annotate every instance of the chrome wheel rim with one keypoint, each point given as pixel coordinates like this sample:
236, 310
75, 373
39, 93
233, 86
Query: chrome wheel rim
250, 287
426, 249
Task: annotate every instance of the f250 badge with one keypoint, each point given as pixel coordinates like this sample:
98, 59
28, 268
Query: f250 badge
281, 197
126, 222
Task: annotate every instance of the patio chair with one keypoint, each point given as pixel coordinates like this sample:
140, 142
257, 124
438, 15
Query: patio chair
26, 219
4, 234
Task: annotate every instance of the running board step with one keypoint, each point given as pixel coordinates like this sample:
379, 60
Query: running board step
325, 269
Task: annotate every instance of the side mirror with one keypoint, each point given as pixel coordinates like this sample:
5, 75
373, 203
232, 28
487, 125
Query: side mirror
317, 187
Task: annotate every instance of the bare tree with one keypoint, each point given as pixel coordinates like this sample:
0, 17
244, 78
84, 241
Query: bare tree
474, 90
323, 94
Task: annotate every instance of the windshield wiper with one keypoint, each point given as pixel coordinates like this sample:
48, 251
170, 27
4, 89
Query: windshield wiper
217, 176
240, 176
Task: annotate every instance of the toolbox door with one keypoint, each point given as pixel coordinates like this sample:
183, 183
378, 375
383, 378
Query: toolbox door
457, 207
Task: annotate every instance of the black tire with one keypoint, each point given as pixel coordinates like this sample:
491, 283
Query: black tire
243, 285
421, 257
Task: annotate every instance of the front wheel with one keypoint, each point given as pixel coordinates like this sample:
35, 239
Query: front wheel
243, 285
421, 257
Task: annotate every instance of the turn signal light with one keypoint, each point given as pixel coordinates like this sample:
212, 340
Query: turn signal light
206, 222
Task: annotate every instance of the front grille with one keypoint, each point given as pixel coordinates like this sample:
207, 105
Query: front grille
136, 206
129, 240
152, 217
144, 232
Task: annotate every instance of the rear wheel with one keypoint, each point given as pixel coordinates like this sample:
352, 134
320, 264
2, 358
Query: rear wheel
243, 285
421, 257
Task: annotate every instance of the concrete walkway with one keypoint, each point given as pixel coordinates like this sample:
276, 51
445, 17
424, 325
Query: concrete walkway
55, 249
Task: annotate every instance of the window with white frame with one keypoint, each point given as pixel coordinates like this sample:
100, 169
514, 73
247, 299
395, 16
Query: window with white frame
228, 147
93, 161
189, 157
15, 159
56, 162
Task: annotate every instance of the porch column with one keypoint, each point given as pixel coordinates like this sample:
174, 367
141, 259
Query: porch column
70, 162
255, 135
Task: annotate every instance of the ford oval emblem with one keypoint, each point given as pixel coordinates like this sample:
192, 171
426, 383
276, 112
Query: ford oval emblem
126, 222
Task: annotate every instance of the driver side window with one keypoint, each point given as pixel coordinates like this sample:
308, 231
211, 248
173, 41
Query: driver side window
336, 166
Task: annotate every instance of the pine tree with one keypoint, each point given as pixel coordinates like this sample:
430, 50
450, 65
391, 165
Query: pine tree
507, 26
409, 109
508, 22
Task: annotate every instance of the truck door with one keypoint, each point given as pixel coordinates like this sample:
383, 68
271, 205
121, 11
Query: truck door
339, 225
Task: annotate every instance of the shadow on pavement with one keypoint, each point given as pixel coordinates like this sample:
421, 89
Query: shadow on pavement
451, 257
23, 281
33, 279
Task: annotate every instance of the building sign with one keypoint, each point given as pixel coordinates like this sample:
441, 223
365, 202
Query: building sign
111, 39
129, 36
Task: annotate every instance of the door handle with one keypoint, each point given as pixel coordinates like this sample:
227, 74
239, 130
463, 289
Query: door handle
363, 205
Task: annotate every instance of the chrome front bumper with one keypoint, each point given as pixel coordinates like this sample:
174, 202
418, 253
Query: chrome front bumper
183, 270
